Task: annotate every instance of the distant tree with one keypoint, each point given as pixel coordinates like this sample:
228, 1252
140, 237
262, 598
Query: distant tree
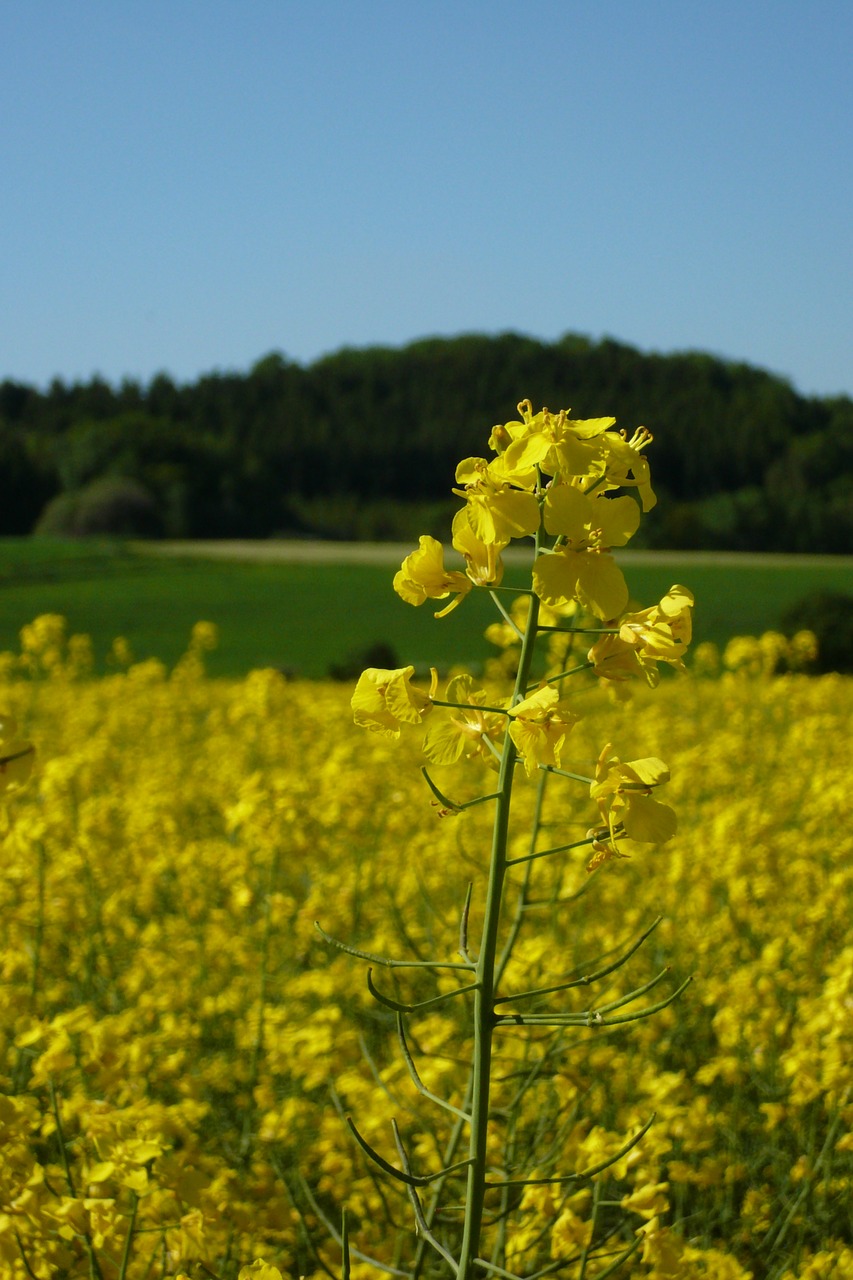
111, 506
742, 459
17, 401
27, 484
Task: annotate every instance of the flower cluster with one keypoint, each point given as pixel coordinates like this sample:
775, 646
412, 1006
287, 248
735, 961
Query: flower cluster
577, 488
169, 1021
552, 471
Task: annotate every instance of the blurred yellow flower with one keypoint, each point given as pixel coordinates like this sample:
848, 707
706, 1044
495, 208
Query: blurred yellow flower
16, 756
650, 1200
259, 1270
623, 794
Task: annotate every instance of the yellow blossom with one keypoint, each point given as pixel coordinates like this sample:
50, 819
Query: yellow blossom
650, 1200
259, 1270
623, 794
625, 466
663, 1251
482, 559
557, 443
465, 729
497, 511
539, 728
803, 650
663, 632
659, 634
424, 577
581, 567
383, 700
569, 1233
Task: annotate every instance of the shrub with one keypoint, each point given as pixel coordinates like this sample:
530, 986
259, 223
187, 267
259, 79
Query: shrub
113, 506
829, 614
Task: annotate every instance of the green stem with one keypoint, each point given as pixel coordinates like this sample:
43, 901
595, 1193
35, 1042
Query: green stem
484, 996
258, 1045
470, 706
521, 902
94, 1266
582, 631
596, 1197
564, 675
38, 940
506, 616
125, 1257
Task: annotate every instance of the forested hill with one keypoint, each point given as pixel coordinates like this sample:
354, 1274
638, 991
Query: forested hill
364, 443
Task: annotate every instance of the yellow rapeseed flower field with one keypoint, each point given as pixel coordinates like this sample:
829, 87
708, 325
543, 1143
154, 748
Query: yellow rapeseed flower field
180, 1047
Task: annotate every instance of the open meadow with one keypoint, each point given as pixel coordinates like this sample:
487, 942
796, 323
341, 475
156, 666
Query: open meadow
305, 607
180, 1047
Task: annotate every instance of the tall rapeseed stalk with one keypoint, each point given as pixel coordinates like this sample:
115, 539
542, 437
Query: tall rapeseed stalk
573, 490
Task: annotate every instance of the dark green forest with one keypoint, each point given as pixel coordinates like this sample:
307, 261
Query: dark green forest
364, 444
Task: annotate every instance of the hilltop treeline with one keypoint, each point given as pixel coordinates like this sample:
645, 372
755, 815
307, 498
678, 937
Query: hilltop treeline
364, 443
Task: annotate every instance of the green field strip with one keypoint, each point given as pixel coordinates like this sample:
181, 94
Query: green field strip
302, 617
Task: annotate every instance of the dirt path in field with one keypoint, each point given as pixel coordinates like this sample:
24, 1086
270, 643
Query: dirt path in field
304, 551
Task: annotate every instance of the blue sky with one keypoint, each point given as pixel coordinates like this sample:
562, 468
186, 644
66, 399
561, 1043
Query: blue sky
189, 185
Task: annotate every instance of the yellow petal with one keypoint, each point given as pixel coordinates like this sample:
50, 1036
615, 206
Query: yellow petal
443, 742
651, 771
259, 1270
649, 821
601, 584
568, 512
617, 518
555, 576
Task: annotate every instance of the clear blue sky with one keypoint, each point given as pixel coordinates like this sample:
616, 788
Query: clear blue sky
187, 185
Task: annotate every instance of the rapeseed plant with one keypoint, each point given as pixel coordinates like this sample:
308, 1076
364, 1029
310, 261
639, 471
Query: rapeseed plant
557, 481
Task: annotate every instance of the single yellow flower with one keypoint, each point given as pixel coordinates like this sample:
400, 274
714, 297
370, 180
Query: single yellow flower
259, 1270
581, 567
464, 730
497, 511
650, 1200
623, 794
614, 659
589, 576
659, 634
590, 521
482, 559
625, 467
540, 727
558, 444
663, 1251
663, 632
423, 576
383, 700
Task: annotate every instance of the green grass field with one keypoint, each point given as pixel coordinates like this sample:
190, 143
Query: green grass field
304, 617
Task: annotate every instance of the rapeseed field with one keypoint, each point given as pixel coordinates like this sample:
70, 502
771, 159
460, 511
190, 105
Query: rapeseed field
181, 1046
425, 979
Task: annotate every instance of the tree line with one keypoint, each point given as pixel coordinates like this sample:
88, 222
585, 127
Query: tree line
364, 444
